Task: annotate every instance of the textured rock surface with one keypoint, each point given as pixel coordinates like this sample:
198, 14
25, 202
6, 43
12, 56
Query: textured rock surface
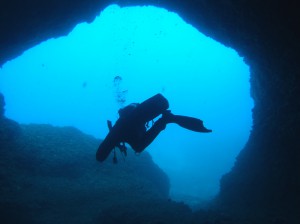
265, 177
50, 175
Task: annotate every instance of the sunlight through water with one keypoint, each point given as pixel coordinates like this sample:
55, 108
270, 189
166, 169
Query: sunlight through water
71, 81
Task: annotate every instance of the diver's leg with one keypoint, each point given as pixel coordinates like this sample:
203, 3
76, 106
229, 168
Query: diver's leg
149, 136
191, 123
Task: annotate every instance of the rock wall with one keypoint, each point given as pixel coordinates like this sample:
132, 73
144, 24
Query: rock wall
2, 105
266, 33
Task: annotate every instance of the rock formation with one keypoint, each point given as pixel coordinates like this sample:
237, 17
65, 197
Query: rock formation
2, 105
50, 175
9, 129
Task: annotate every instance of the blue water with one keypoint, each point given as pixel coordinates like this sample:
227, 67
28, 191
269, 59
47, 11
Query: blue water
70, 81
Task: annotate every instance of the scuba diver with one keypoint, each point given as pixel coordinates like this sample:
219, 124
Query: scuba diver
132, 127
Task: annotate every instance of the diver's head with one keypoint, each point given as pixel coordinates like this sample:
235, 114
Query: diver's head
2, 105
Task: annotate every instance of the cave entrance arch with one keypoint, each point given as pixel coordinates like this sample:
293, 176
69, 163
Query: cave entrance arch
153, 50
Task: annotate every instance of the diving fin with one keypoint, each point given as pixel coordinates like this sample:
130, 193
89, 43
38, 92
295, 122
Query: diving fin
190, 123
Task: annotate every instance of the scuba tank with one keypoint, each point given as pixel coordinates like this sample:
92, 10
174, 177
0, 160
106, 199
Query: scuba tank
150, 108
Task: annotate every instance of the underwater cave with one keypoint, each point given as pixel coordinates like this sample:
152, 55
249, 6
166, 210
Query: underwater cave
70, 81
263, 184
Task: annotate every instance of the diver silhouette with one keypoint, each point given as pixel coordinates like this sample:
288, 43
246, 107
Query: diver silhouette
132, 127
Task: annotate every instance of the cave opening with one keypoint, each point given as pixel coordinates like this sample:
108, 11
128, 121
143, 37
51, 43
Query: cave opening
69, 81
